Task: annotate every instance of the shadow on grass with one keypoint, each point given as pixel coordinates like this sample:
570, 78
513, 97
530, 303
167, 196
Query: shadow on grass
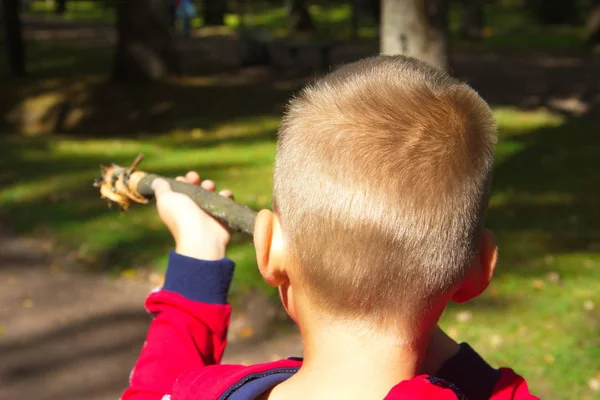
100, 110
549, 197
68, 202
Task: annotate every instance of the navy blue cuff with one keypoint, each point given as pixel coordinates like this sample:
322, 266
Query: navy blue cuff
199, 280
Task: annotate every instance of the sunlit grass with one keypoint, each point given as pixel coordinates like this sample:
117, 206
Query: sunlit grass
76, 10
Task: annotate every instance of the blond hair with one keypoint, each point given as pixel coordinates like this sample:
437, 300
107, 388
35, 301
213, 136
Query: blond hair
381, 186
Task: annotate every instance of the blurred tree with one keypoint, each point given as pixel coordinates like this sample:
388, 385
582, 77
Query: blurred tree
375, 9
472, 19
25, 5
213, 12
554, 12
417, 28
354, 18
300, 19
13, 37
145, 47
60, 6
364, 9
593, 23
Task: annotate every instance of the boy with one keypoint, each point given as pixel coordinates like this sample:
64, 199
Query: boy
381, 184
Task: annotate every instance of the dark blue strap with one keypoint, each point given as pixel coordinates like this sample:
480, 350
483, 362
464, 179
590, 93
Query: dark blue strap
254, 385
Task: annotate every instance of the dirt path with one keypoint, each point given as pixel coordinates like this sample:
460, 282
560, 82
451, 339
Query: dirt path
75, 336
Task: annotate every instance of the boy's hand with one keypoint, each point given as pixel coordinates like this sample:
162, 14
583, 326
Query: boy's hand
196, 233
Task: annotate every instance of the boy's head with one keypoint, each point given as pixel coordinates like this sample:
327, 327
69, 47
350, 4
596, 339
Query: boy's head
381, 186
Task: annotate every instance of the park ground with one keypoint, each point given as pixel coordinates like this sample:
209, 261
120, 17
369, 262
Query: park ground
74, 273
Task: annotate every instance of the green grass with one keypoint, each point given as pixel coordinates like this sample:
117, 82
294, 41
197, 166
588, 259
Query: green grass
79, 11
537, 316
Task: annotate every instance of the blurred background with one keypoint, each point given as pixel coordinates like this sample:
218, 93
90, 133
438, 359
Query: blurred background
201, 85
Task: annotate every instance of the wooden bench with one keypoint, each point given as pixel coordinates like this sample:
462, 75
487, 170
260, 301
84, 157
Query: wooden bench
255, 48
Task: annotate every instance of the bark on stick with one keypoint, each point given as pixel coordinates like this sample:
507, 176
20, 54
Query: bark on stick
236, 216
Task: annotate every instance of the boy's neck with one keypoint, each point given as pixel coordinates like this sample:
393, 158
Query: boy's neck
350, 361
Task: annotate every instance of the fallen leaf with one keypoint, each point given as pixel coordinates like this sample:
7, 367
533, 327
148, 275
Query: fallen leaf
262, 200
156, 279
246, 332
464, 316
56, 266
496, 340
588, 305
27, 303
128, 273
197, 133
523, 331
538, 284
452, 332
90, 259
553, 277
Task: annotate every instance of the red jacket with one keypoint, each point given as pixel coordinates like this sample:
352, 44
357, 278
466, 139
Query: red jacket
180, 358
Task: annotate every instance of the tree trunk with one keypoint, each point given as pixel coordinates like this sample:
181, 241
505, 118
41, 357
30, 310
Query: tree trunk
213, 12
593, 23
416, 28
374, 7
300, 19
553, 12
145, 48
472, 19
13, 37
60, 6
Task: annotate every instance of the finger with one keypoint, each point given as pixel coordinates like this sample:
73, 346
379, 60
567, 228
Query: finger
208, 185
192, 177
226, 193
180, 178
160, 187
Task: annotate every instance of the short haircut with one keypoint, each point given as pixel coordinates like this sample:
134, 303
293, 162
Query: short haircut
381, 186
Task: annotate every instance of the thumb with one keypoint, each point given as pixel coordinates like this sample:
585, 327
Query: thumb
160, 186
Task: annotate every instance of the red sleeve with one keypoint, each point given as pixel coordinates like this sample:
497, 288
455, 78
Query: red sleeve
186, 333
511, 386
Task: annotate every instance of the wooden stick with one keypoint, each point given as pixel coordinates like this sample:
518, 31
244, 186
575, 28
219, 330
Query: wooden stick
126, 186
236, 216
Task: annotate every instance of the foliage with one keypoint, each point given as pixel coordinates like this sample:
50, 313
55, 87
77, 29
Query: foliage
508, 25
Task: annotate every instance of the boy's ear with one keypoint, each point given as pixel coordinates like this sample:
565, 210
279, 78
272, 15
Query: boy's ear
268, 242
481, 271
